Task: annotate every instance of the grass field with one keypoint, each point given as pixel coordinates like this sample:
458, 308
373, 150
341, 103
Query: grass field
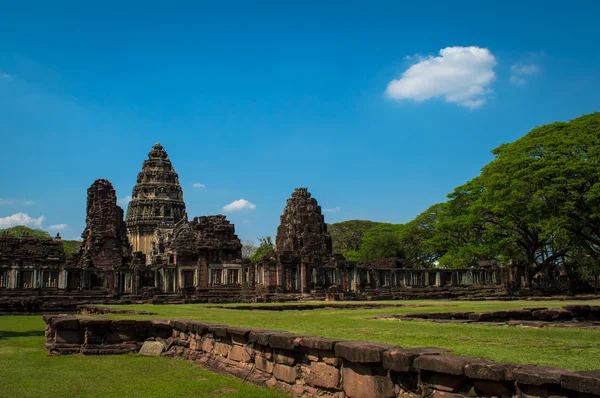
26, 371
572, 348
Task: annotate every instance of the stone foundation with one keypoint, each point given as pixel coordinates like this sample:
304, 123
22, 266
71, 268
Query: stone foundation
311, 366
567, 316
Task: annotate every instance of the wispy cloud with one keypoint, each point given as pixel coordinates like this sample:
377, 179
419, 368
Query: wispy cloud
237, 205
333, 210
461, 75
20, 219
5, 76
521, 71
198, 185
58, 227
8, 202
124, 201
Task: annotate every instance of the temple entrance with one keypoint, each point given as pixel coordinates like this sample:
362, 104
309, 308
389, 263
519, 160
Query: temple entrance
147, 279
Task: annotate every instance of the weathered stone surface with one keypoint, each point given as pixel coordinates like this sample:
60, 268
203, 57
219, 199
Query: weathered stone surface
494, 388
323, 375
450, 364
284, 356
584, 381
261, 336
69, 336
443, 381
490, 370
319, 343
283, 340
285, 373
401, 360
105, 245
361, 381
538, 375
221, 349
303, 230
152, 348
361, 351
263, 364
240, 353
65, 323
156, 204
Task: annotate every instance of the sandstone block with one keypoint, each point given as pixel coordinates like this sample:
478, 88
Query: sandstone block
263, 364
221, 349
285, 373
361, 351
240, 353
585, 381
366, 382
323, 375
401, 360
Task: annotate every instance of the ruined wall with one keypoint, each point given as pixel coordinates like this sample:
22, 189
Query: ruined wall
156, 200
311, 366
29, 249
210, 236
105, 244
302, 230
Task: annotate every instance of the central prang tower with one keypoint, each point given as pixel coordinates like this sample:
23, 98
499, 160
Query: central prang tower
156, 201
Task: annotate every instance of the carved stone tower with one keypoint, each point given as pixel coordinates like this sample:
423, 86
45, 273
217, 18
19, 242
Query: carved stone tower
156, 201
303, 231
105, 242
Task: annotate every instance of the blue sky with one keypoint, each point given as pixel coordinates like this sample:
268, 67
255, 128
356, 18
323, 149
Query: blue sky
379, 108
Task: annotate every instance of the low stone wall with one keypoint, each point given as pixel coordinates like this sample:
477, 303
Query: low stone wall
311, 366
569, 315
96, 309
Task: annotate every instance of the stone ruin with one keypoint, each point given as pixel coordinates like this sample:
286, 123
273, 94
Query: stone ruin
105, 244
158, 252
303, 231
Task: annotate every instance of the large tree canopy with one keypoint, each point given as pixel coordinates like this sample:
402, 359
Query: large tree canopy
537, 203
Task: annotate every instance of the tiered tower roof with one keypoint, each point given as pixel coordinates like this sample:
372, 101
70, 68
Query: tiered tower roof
156, 199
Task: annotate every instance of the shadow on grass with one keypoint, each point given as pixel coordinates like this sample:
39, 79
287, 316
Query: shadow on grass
32, 333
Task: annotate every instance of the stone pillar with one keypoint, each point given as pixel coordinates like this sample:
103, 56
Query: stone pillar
203, 272
302, 278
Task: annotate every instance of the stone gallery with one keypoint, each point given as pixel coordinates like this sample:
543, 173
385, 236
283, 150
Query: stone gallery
158, 252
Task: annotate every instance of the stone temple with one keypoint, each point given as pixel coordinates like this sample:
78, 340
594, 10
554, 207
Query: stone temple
157, 252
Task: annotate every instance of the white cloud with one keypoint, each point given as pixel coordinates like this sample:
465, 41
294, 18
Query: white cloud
237, 205
460, 75
20, 219
28, 202
58, 227
520, 71
5, 76
198, 185
6, 201
124, 201
333, 210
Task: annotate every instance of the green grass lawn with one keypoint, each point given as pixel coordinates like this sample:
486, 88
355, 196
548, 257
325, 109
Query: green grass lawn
26, 371
564, 347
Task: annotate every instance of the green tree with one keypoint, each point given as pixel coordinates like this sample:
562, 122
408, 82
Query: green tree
265, 250
21, 230
381, 241
347, 235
